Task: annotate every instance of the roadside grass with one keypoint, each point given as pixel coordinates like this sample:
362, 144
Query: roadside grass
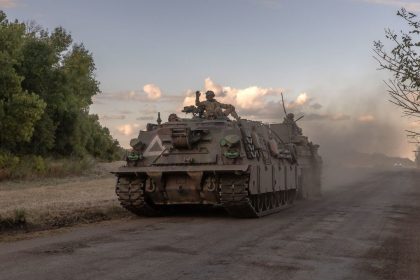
42, 219
15, 221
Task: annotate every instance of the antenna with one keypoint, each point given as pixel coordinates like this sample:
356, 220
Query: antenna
282, 101
159, 120
301, 117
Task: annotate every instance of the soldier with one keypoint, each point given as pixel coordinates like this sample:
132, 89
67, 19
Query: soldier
173, 118
290, 121
213, 108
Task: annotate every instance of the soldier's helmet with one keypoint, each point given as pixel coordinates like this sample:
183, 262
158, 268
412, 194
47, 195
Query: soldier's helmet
210, 94
173, 118
291, 116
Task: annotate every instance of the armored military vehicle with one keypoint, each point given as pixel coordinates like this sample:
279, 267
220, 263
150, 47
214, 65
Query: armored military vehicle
250, 168
309, 160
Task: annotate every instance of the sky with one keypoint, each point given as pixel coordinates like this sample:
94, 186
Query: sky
151, 56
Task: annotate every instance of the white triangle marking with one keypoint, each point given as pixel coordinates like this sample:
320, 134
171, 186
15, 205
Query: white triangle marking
155, 140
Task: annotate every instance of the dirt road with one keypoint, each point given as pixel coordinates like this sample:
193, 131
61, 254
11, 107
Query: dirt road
366, 230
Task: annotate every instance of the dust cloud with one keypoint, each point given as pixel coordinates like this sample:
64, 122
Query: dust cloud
359, 134
359, 123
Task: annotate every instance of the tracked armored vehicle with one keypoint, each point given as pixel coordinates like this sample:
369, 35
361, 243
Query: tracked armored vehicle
249, 168
308, 158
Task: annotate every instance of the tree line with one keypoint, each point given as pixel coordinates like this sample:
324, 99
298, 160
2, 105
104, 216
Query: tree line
47, 83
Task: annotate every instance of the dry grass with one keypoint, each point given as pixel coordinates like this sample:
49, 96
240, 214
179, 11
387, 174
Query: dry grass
52, 203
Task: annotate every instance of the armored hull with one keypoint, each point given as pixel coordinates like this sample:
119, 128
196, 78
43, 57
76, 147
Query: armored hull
244, 166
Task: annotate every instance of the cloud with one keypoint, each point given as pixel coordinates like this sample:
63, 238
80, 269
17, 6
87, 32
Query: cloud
126, 112
339, 117
121, 96
9, 3
302, 98
414, 124
210, 85
261, 103
137, 95
300, 101
153, 92
409, 5
145, 118
127, 129
148, 112
327, 116
112, 117
252, 97
316, 106
366, 118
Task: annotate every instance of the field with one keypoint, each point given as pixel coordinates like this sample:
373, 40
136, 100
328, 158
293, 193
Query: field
52, 203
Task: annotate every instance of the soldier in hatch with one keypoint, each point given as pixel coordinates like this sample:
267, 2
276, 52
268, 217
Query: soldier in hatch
213, 108
290, 121
173, 118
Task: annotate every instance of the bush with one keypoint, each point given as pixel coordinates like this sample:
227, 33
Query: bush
8, 160
30, 167
8, 163
66, 167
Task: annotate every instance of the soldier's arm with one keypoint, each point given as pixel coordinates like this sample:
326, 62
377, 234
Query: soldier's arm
197, 99
200, 103
230, 110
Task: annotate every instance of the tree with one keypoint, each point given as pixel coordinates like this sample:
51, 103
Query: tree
19, 109
403, 61
46, 87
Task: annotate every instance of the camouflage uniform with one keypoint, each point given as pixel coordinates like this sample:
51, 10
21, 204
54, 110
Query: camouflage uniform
213, 108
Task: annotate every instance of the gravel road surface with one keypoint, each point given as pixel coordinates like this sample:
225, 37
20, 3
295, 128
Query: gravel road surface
361, 230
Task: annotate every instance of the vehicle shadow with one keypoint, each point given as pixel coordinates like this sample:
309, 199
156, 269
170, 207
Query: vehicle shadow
192, 210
